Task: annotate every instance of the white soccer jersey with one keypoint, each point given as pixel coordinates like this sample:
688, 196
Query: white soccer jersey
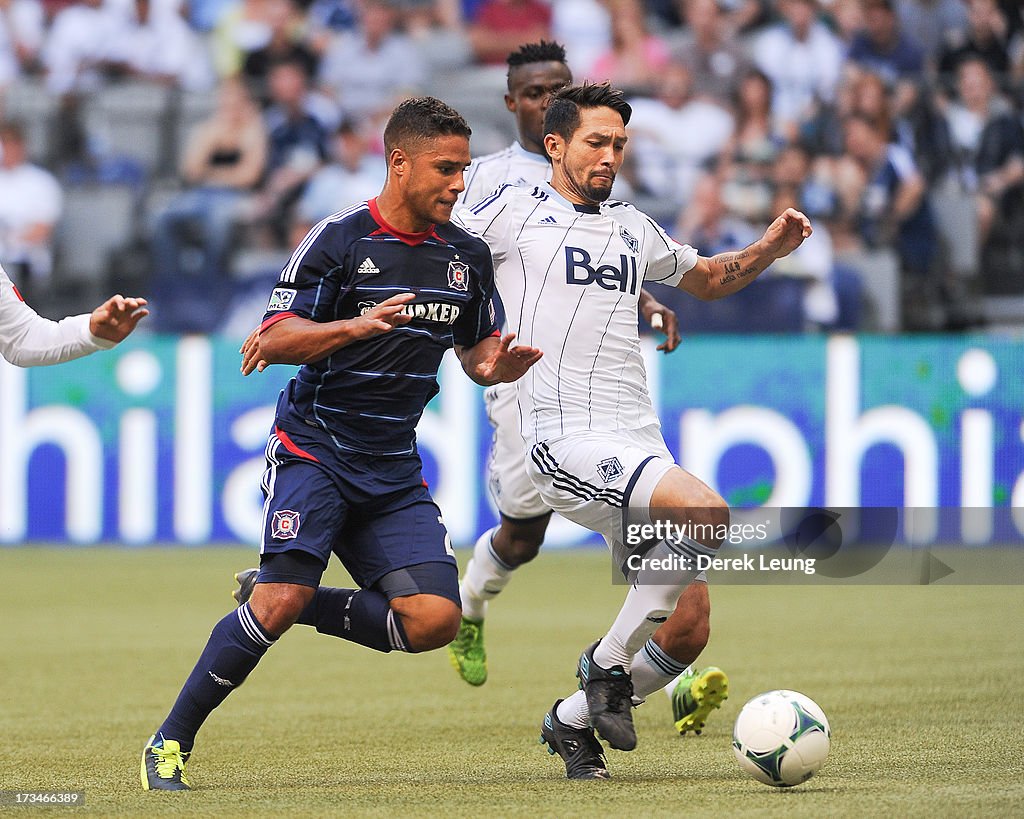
28, 340
513, 166
570, 282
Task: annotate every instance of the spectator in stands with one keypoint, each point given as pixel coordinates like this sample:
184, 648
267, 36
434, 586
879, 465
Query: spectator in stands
709, 47
750, 153
30, 206
989, 144
706, 222
802, 58
893, 211
298, 125
933, 23
585, 28
286, 43
325, 17
224, 159
21, 37
884, 49
676, 135
353, 175
203, 15
846, 18
371, 67
987, 37
636, 57
155, 43
501, 26
436, 27
813, 263
244, 27
795, 169
77, 46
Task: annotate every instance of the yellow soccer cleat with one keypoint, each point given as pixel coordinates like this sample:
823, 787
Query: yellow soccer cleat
163, 766
696, 695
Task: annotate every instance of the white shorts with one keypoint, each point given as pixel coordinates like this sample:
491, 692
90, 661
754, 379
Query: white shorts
511, 488
602, 480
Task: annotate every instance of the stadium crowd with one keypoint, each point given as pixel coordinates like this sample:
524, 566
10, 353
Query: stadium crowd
186, 147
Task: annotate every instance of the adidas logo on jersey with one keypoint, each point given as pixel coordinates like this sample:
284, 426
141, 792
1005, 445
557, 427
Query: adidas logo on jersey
549, 220
368, 268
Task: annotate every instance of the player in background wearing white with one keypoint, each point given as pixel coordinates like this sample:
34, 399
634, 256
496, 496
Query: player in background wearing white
568, 266
535, 72
29, 340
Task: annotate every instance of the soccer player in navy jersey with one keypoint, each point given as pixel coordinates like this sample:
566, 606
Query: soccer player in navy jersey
368, 304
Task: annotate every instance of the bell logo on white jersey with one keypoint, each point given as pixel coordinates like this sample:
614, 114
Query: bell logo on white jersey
578, 270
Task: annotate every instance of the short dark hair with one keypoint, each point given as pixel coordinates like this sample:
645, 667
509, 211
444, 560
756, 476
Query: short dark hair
529, 53
422, 118
539, 52
563, 114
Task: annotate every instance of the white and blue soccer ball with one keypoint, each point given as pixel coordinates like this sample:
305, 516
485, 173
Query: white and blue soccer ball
781, 738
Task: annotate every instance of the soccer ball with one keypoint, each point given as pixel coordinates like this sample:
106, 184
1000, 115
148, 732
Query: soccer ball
781, 738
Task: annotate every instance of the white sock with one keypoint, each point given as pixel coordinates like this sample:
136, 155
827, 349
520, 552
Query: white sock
651, 668
573, 711
672, 683
647, 605
485, 577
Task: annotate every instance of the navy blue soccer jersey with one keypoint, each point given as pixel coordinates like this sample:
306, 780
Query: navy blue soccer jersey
369, 395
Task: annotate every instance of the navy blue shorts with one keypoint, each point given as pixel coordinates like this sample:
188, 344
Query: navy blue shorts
374, 512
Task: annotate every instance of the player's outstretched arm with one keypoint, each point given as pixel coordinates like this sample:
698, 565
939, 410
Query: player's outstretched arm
660, 318
494, 361
727, 273
115, 319
29, 340
296, 340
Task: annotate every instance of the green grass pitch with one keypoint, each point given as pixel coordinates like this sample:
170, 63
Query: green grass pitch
923, 686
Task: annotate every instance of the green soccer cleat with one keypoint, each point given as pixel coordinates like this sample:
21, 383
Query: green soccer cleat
163, 766
696, 695
246, 580
467, 653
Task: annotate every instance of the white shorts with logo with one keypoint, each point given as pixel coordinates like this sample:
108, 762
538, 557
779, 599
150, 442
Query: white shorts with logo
602, 480
511, 488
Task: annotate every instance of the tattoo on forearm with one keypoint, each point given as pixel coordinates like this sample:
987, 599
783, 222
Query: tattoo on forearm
734, 268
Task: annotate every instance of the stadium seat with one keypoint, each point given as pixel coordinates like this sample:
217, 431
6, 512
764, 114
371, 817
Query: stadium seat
879, 274
28, 102
131, 120
96, 222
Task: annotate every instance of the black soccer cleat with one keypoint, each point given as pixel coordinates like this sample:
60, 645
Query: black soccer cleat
246, 580
578, 747
610, 700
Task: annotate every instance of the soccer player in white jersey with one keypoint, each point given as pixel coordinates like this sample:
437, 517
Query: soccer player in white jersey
29, 340
568, 266
535, 72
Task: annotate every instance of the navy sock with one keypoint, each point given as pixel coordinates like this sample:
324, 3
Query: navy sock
235, 646
360, 615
